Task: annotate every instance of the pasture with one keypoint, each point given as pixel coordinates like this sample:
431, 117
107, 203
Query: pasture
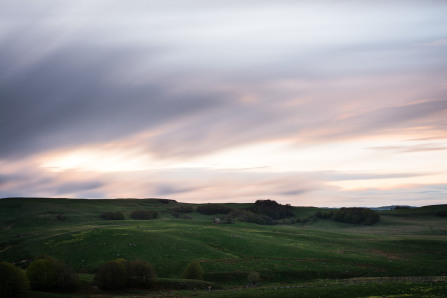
317, 257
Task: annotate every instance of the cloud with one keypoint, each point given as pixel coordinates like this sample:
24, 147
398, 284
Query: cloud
182, 81
68, 102
29, 179
345, 176
77, 187
180, 76
167, 190
411, 148
415, 195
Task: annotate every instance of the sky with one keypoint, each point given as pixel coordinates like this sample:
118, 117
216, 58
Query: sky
311, 103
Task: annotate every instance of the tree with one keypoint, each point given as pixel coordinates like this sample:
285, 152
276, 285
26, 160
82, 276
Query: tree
66, 278
193, 271
13, 281
140, 274
42, 274
112, 276
46, 273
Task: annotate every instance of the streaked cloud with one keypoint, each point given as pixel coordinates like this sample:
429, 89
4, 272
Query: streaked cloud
306, 103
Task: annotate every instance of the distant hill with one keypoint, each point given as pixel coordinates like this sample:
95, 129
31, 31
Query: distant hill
392, 207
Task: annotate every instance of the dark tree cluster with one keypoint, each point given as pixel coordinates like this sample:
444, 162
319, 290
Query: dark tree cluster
210, 209
46, 273
13, 281
351, 215
113, 215
357, 216
272, 209
324, 215
144, 214
248, 216
183, 209
43, 274
119, 274
193, 271
167, 201
442, 213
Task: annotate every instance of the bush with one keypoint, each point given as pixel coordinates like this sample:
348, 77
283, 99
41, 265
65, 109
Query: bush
140, 274
143, 214
193, 271
47, 273
13, 281
442, 213
210, 209
112, 276
113, 215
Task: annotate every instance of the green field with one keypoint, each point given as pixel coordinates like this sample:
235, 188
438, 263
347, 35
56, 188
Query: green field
404, 254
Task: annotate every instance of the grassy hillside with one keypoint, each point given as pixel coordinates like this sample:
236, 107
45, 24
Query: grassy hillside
407, 242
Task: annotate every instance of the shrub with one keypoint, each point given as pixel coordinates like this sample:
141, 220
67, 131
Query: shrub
113, 215
140, 274
442, 213
193, 271
13, 281
253, 277
112, 276
47, 273
210, 209
143, 214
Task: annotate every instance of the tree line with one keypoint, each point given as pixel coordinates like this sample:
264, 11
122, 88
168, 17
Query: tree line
351, 215
264, 212
47, 274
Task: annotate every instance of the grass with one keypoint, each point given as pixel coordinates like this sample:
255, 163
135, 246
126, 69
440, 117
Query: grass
407, 242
